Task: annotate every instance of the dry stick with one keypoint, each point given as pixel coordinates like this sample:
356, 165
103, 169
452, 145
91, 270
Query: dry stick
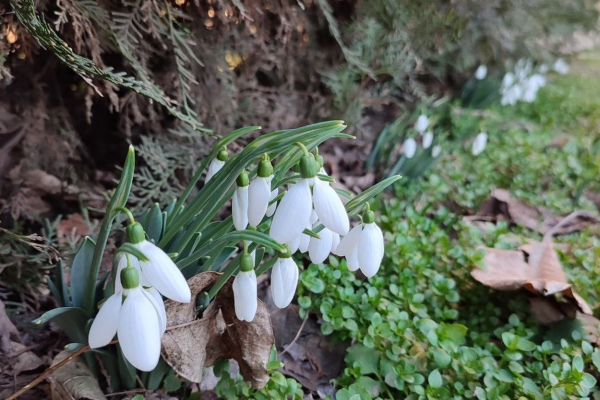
50, 370
296, 337
575, 214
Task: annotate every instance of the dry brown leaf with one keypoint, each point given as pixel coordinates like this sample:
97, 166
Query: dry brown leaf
8, 332
74, 225
501, 205
540, 274
199, 343
24, 360
73, 381
591, 326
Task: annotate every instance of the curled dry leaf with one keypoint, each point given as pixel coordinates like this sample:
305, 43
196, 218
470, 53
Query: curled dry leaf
501, 205
73, 381
192, 344
540, 273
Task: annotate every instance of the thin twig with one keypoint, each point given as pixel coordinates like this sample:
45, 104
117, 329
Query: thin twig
50, 370
297, 335
574, 215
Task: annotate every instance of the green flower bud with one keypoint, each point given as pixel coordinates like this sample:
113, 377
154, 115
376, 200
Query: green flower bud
246, 263
308, 166
130, 278
135, 233
320, 160
286, 253
368, 217
265, 169
243, 180
223, 155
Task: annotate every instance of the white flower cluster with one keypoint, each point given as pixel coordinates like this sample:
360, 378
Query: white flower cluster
410, 146
524, 83
136, 311
309, 204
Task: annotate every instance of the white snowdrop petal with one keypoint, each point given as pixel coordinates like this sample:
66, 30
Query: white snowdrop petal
369, 250
427, 139
313, 217
163, 274
479, 143
293, 213
335, 241
244, 295
304, 241
284, 280
436, 151
352, 261
239, 208
349, 242
104, 327
329, 208
378, 239
294, 245
272, 207
214, 167
159, 305
409, 148
259, 195
422, 123
481, 72
318, 249
139, 331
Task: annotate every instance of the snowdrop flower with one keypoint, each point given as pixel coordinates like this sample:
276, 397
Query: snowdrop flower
481, 72
136, 317
319, 248
363, 246
422, 123
329, 207
479, 143
272, 207
508, 79
244, 290
159, 271
293, 213
427, 139
239, 203
216, 164
409, 148
259, 193
284, 280
436, 150
561, 66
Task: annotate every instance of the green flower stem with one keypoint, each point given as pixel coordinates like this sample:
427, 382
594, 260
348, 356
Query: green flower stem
129, 214
88, 304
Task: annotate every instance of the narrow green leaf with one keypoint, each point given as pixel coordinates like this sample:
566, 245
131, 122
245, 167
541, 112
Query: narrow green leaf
80, 271
355, 205
72, 320
121, 194
311, 233
154, 223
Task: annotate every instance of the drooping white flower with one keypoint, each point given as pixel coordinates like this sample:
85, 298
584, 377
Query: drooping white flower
479, 143
216, 164
137, 316
259, 193
363, 247
319, 249
481, 72
244, 295
329, 208
293, 213
422, 123
135, 263
436, 151
427, 139
409, 148
561, 66
239, 203
284, 280
162, 273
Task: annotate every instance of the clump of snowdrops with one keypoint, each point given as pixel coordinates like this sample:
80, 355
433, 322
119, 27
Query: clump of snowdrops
282, 205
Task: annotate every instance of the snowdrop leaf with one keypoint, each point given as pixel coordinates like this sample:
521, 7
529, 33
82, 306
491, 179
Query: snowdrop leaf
154, 223
80, 271
201, 342
121, 194
72, 320
129, 248
355, 205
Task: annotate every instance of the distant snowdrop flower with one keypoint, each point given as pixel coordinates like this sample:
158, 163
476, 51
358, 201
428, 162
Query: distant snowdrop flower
138, 319
216, 164
422, 123
508, 79
239, 203
259, 193
436, 151
427, 139
481, 72
544, 68
363, 247
159, 271
479, 143
284, 280
245, 290
409, 148
561, 66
